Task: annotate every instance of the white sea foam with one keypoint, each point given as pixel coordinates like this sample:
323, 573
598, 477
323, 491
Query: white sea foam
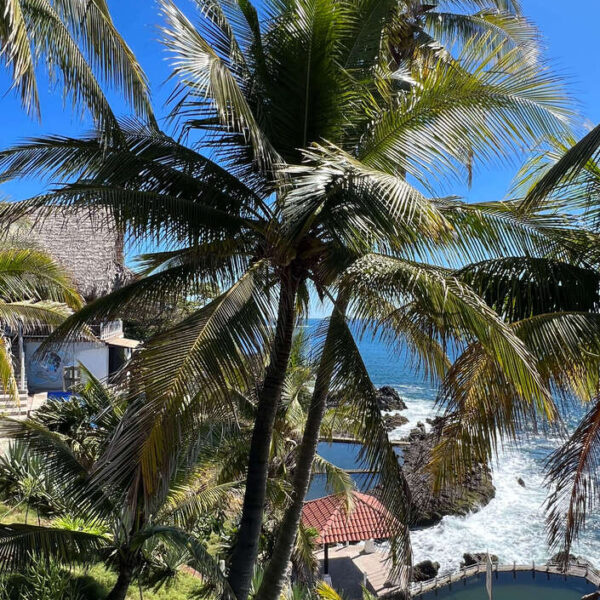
512, 524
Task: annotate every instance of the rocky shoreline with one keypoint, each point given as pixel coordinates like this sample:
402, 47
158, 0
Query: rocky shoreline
429, 509
468, 496
472, 494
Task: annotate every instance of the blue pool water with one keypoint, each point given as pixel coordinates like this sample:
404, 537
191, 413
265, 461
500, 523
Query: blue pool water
512, 524
522, 587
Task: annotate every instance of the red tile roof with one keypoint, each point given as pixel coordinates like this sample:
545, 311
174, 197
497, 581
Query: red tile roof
368, 519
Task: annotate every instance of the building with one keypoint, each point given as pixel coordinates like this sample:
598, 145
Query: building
91, 249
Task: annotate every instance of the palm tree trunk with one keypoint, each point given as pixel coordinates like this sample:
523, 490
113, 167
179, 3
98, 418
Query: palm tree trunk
119, 591
246, 550
275, 573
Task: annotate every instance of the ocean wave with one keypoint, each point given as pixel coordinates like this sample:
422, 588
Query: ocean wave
512, 525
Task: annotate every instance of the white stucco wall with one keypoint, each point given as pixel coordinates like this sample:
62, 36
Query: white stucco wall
46, 374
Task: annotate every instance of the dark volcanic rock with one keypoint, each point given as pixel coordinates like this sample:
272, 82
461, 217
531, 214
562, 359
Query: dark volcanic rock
521, 482
389, 399
418, 433
474, 492
392, 421
476, 558
578, 561
425, 570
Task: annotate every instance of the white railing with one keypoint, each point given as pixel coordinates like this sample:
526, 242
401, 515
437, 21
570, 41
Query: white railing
110, 329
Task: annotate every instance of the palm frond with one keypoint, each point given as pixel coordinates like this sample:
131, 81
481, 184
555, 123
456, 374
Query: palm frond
62, 464
107, 52
458, 115
18, 55
457, 308
518, 287
20, 543
200, 559
202, 71
30, 274
195, 359
338, 480
572, 473
566, 168
186, 503
7, 372
51, 37
351, 376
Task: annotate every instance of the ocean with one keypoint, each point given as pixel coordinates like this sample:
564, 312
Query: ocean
512, 525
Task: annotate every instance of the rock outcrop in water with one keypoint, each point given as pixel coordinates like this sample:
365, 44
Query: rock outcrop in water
462, 499
476, 558
392, 422
425, 570
389, 399
578, 561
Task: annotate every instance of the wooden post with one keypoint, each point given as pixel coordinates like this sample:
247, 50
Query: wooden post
325, 559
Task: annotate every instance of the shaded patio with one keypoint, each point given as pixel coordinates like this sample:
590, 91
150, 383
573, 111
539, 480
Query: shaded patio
346, 562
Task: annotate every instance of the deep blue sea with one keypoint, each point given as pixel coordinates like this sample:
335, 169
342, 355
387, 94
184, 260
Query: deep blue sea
512, 524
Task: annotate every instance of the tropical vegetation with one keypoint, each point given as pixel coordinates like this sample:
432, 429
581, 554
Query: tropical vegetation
35, 292
310, 143
81, 50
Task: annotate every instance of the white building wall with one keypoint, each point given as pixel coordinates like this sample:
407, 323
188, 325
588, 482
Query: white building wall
45, 373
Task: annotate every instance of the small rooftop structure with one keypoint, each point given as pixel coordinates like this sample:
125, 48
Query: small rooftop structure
368, 519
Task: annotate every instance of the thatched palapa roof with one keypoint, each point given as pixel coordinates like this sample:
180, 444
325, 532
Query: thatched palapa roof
87, 245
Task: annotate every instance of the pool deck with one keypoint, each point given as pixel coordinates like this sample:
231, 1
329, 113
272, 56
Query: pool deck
350, 568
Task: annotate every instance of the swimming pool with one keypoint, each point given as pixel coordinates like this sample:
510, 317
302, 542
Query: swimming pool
524, 585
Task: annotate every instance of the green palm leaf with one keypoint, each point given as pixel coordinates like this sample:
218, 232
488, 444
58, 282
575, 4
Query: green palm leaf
19, 543
573, 479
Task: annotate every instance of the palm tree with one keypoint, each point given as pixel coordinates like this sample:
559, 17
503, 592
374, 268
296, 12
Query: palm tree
68, 437
553, 307
567, 175
34, 292
79, 42
314, 176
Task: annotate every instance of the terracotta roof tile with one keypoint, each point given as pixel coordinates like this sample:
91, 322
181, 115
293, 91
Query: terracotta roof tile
368, 519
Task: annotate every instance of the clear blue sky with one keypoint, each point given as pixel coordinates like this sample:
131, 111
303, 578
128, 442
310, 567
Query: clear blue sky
569, 31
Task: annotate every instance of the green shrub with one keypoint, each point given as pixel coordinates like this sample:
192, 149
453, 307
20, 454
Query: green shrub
23, 478
42, 580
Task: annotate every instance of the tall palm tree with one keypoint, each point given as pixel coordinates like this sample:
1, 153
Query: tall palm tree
80, 46
68, 437
312, 175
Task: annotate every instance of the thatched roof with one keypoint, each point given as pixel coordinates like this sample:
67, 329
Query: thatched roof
87, 245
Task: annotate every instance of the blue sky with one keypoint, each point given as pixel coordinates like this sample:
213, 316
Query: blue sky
569, 31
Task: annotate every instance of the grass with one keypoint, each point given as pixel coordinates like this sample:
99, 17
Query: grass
99, 580
19, 514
